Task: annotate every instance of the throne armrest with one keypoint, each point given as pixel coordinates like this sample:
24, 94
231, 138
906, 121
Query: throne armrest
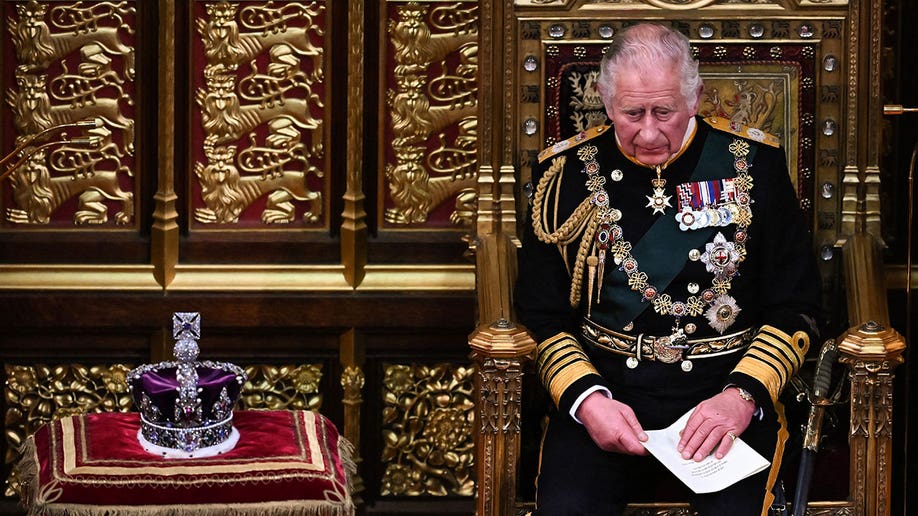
499, 351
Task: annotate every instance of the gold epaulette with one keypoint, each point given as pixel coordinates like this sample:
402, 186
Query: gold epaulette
573, 141
741, 130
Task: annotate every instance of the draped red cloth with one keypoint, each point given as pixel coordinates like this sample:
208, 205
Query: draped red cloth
283, 459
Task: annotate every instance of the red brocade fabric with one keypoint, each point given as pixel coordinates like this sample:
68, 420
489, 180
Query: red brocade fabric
294, 457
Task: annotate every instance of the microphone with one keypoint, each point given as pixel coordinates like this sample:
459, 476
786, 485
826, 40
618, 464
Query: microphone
90, 142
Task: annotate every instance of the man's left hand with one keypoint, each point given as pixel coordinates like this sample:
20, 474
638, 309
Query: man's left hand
715, 423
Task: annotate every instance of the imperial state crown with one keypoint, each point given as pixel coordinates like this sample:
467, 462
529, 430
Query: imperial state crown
186, 405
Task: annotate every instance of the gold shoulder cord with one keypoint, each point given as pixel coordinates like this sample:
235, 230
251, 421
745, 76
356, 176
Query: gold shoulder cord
582, 222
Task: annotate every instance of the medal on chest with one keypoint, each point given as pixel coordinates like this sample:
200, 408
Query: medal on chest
713, 203
659, 201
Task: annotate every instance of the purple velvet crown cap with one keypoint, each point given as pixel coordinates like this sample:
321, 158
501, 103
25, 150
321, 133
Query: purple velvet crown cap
186, 404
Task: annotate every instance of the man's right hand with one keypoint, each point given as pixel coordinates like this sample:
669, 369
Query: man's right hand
612, 425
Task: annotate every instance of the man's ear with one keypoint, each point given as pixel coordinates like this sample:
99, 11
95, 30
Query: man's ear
608, 106
697, 99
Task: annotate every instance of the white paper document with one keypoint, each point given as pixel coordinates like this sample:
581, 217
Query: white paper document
711, 474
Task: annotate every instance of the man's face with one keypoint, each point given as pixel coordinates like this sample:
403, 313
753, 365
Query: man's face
650, 112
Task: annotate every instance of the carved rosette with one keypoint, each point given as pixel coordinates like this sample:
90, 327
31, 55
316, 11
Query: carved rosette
74, 62
284, 387
352, 381
261, 136
431, 116
36, 394
428, 418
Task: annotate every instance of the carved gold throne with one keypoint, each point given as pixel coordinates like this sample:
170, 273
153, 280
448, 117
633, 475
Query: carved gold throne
804, 70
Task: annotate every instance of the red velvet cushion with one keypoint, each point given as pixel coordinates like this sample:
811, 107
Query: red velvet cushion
284, 460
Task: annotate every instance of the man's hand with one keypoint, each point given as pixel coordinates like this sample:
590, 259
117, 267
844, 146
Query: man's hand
612, 425
715, 423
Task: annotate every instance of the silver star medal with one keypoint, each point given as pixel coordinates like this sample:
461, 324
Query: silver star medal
722, 313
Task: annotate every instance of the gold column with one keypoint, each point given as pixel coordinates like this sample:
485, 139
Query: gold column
871, 352
501, 348
498, 351
861, 174
495, 239
870, 349
353, 226
164, 234
352, 381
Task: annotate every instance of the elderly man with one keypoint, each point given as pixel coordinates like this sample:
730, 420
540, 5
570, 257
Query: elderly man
667, 270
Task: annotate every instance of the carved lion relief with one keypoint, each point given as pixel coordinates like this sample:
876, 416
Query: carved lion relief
261, 111
89, 49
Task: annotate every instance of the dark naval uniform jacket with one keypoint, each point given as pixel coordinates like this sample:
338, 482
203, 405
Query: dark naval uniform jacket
725, 273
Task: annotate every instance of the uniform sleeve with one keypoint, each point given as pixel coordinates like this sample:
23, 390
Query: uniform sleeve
542, 302
789, 290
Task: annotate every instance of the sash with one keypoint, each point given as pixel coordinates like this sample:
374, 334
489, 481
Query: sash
663, 245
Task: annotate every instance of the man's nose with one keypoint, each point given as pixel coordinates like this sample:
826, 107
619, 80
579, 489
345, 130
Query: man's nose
649, 129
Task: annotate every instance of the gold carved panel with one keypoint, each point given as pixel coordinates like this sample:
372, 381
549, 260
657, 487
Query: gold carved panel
37, 394
761, 96
259, 132
72, 62
430, 124
282, 387
428, 418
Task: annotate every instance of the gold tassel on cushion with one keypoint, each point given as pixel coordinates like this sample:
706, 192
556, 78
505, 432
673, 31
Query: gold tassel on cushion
25, 471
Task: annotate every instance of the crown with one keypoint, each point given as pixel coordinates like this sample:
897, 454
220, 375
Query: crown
186, 406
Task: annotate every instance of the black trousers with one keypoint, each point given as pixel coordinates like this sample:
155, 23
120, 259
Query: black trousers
577, 478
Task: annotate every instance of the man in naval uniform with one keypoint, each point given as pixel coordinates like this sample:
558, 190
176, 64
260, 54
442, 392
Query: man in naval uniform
666, 269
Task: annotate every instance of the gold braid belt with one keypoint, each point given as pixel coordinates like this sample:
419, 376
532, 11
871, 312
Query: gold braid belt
645, 347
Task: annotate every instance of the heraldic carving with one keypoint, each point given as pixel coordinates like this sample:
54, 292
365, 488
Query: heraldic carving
432, 112
273, 104
88, 88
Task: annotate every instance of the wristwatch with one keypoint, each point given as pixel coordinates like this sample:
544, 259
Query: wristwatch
743, 393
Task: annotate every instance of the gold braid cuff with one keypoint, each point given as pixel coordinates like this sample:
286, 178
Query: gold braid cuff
582, 223
773, 357
561, 362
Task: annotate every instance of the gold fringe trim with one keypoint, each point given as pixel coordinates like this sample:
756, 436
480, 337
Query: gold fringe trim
291, 508
29, 477
348, 454
27, 469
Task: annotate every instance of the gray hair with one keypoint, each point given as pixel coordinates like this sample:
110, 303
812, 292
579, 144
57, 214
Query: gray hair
649, 45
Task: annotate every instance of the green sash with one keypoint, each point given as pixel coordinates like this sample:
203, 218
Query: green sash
663, 250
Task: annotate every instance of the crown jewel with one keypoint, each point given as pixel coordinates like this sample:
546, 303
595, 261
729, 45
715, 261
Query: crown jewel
186, 405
